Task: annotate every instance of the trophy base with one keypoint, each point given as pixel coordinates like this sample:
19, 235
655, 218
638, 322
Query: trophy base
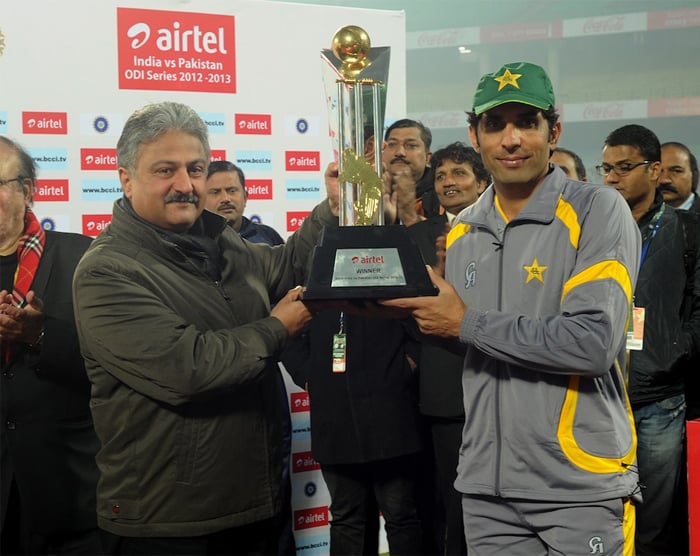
367, 262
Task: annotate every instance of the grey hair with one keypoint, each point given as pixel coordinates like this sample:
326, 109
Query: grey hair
149, 123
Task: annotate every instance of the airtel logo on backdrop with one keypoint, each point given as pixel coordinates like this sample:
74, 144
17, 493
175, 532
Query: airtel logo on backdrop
295, 219
259, 189
302, 161
179, 38
94, 224
47, 123
303, 462
253, 124
311, 517
51, 190
300, 402
98, 159
217, 154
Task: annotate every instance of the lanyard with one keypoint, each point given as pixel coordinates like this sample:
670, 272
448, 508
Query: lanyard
650, 231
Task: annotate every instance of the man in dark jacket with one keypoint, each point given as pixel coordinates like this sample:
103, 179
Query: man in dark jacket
365, 426
227, 196
48, 443
631, 163
181, 346
678, 178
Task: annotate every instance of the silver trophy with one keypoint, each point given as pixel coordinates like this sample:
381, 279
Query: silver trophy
355, 77
361, 258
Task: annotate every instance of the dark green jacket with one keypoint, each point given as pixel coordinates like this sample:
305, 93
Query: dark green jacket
184, 395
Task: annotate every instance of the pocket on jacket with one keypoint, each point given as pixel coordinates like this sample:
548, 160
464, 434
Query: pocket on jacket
186, 447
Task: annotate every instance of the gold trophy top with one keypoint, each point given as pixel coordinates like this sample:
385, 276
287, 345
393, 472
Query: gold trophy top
351, 45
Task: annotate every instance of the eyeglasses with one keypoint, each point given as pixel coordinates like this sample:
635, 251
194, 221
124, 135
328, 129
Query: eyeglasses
621, 169
5, 182
408, 145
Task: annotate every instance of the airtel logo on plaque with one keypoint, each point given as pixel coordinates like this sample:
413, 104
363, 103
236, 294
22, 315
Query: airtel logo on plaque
368, 259
177, 39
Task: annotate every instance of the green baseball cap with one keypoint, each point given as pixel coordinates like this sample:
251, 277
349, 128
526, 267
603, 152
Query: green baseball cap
516, 82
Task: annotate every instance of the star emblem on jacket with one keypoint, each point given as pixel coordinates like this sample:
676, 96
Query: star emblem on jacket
508, 79
535, 271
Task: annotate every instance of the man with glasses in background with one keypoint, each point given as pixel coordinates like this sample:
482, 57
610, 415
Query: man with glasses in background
406, 159
48, 473
662, 340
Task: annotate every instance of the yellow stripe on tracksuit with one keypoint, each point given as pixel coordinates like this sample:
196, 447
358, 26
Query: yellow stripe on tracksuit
564, 212
575, 454
457, 231
603, 270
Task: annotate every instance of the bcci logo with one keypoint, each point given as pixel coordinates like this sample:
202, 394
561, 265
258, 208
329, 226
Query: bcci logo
310, 489
302, 125
48, 224
101, 124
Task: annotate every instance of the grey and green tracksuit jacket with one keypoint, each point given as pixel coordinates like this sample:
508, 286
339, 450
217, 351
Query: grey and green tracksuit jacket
548, 297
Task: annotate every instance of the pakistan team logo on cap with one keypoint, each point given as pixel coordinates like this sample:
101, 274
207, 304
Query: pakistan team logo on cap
508, 78
521, 82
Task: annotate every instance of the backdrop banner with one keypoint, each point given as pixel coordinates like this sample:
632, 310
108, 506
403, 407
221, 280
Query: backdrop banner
74, 72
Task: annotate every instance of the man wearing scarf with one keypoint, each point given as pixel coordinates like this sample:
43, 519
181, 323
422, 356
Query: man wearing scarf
48, 443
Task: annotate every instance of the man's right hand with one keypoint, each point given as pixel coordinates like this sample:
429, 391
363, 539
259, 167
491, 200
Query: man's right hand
291, 312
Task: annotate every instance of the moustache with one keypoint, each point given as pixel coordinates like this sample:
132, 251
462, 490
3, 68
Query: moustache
399, 159
667, 187
223, 206
182, 198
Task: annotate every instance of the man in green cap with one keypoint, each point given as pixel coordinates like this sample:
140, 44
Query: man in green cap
538, 283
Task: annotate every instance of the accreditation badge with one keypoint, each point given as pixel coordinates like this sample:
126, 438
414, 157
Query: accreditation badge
635, 332
339, 352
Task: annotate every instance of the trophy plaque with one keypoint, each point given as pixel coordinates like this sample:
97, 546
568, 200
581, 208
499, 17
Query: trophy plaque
361, 258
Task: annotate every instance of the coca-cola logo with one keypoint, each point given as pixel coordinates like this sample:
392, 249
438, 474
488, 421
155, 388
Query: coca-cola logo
445, 37
611, 24
435, 120
609, 111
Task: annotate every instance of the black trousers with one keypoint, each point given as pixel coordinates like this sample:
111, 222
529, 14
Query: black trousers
255, 538
392, 483
447, 439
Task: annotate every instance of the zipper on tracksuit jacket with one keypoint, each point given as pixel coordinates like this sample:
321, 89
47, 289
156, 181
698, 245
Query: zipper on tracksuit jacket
497, 402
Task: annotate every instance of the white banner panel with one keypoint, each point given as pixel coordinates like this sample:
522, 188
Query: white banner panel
251, 68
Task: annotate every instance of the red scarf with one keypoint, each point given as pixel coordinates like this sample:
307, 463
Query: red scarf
31, 247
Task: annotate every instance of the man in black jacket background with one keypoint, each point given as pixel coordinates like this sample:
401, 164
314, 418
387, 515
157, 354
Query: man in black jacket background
631, 164
48, 443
